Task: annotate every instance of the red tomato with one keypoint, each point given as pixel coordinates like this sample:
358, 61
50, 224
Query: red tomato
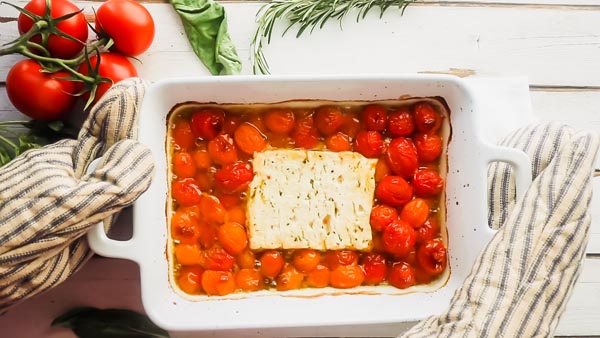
218, 259
182, 135
188, 254
128, 23
375, 268
346, 276
39, 95
318, 277
189, 279
427, 120
249, 139
427, 183
211, 209
399, 238
222, 150
75, 26
113, 66
184, 165
305, 133
271, 263
249, 279
415, 212
401, 156
338, 142
369, 143
185, 228
306, 260
289, 278
432, 257
218, 282
340, 257
280, 120
428, 231
374, 117
329, 119
381, 216
394, 191
402, 275
401, 123
186, 191
207, 123
429, 147
234, 177
232, 237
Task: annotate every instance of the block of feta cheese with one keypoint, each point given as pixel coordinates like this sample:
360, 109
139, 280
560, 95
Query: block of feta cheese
310, 199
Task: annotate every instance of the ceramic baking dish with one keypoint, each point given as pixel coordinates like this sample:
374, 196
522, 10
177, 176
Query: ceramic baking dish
466, 208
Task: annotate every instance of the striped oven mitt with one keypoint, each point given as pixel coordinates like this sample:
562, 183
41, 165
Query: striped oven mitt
520, 284
48, 201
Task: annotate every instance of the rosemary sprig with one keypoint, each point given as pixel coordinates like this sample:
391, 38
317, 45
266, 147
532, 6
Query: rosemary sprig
309, 14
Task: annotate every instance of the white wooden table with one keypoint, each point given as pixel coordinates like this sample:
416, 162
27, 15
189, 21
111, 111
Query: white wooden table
555, 43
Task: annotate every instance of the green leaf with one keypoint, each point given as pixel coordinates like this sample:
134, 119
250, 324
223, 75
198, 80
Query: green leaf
205, 24
89, 322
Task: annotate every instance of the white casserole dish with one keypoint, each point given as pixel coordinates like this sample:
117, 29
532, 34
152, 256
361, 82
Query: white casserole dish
466, 204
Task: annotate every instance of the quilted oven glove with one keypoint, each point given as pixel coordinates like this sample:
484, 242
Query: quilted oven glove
520, 284
48, 201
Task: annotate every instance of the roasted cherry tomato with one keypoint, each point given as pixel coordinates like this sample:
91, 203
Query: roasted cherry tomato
431, 257
218, 259
375, 267
346, 276
401, 156
186, 191
133, 32
211, 209
207, 123
415, 212
381, 216
427, 183
369, 143
249, 280
394, 191
382, 169
334, 258
402, 275
338, 142
234, 177
427, 120
185, 226
184, 165
75, 26
351, 125
428, 231
289, 278
305, 133
208, 235
246, 259
401, 123
232, 237
318, 277
249, 139
222, 150
37, 94
306, 259
329, 119
280, 120
218, 283
429, 147
399, 238
189, 280
188, 254
271, 263
202, 159
374, 117
182, 135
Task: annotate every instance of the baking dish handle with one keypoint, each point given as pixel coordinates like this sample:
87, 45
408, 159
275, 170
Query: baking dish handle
519, 161
101, 244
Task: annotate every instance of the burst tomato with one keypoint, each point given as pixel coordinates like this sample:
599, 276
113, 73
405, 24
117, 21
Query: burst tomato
128, 23
222, 150
427, 120
75, 26
186, 191
431, 257
234, 177
218, 259
39, 95
428, 231
207, 123
401, 156
375, 268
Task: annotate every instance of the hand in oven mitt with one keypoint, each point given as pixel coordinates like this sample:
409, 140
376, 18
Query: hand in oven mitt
48, 201
520, 284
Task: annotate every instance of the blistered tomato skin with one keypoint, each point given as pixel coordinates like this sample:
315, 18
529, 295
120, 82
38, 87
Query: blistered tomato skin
427, 120
381, 216
186, 191
207, 123
428, 231
375, 267
184, 165
218, 259
394, 191
402, 157
369, 143
402, 275
280, 120
185, 228
234, 177
329, 119
375, 117
222, 150
401, 123
432, 257
399, 238
346, 276
427, 183
429, 147
305, 133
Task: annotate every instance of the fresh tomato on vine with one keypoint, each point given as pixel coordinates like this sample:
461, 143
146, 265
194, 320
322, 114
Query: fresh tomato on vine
128, 23
75, 26
112, 66
39, 95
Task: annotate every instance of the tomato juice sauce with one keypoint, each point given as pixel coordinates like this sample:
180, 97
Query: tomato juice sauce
210, 149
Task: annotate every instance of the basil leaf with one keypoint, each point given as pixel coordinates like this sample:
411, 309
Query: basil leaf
89, 322
205, 24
